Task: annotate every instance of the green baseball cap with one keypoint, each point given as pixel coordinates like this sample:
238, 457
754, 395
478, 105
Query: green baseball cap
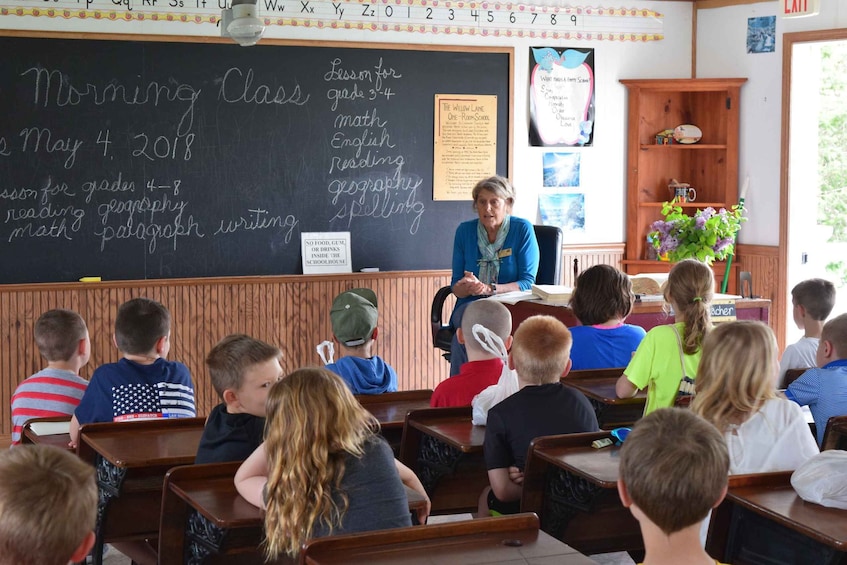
353, 316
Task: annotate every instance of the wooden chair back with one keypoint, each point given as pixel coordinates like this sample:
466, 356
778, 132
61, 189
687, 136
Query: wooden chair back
58, 440
835, 434
608, 373
390, 408
335, 545
792, 375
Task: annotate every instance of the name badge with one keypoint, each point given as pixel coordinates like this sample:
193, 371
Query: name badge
504, 253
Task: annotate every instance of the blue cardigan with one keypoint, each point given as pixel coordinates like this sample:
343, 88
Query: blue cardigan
521, 266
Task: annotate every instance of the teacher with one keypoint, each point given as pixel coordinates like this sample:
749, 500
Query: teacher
494, 254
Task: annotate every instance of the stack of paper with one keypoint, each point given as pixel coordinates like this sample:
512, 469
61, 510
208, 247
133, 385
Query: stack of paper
553, 292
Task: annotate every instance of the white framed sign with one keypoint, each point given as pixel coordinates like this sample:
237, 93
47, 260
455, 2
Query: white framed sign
326, 252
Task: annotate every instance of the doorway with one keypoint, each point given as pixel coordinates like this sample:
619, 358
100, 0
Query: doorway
814, 187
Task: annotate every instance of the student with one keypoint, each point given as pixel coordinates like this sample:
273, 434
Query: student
48, 506
354, 316
143, 384
813, 300
322, 470
673, 471
543, 406
666, 360
601, 302
483, 368
825, 389
736, 392
62, 339
242, 370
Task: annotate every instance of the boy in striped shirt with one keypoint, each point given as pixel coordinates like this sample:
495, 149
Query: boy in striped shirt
62, 339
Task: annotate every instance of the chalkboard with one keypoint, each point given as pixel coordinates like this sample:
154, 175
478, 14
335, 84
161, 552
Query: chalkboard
149, 159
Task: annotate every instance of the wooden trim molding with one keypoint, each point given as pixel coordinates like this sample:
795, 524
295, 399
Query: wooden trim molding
291, 312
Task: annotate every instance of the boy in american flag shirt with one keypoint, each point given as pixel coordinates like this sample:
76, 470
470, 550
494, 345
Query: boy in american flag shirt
143, 384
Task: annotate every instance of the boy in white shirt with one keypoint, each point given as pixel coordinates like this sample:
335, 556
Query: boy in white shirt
813, 300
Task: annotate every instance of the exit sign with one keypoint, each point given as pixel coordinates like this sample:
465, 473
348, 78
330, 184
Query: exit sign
800, 8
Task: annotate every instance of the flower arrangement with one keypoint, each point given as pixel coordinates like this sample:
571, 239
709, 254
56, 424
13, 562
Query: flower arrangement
707, 235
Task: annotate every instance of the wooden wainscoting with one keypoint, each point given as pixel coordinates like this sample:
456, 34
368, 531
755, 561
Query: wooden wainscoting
588, 256
289, 311
768, 282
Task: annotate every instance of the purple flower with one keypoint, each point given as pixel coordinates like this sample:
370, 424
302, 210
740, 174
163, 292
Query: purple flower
722, 244
700, 222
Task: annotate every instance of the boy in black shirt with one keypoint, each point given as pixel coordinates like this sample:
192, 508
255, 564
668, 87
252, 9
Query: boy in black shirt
543, 406
242, 370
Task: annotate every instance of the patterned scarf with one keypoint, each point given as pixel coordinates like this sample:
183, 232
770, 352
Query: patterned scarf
489, 262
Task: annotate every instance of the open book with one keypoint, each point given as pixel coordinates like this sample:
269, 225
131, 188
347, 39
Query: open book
649, 283
553, 292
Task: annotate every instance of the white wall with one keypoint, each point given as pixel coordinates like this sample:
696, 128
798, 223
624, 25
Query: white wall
603, 165
721, 51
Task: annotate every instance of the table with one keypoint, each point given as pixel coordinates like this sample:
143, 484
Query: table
514, 540
598, 385
390, 409
444, 449
204, 519
131, 459
765, 520
645, 314
573, 488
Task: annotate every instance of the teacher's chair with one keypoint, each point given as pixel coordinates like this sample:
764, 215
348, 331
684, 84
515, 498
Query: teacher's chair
549, 272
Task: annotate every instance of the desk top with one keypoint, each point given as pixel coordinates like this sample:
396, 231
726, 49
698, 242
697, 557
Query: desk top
782, 505
457, 431
536, 547
217, 499
56, 440
600, 466
603, 390
393, 414
143, 448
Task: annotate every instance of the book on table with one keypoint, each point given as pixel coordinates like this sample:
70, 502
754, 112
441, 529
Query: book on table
649, 283
553, 292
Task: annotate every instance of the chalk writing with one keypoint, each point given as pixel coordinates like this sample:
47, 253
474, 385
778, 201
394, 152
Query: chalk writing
237, 86
52, 86
258, 219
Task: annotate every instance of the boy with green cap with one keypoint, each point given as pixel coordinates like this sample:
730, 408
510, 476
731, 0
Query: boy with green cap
354, 325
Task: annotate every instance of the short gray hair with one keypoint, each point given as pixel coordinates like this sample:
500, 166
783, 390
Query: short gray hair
497, 185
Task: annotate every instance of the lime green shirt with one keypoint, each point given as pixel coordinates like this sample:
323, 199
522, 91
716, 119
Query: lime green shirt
655, 365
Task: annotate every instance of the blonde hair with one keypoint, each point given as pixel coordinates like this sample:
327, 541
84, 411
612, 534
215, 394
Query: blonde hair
737, 373
48, 504
313, 423
690, 289
541, 349
675, 466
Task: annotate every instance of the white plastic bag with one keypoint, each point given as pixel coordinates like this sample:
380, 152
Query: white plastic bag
505, 387
326, 351
823, 479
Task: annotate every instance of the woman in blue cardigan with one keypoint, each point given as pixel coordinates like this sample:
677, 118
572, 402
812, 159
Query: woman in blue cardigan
493, 254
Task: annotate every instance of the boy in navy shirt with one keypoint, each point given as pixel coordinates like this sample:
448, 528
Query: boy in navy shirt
143, 384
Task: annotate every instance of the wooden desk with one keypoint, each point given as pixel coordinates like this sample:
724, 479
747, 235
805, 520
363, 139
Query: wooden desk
390, 410
598, 385
514, 540
205, 520
131, 459
764, 521
61, 441
645, 314
444, 449
573, 488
